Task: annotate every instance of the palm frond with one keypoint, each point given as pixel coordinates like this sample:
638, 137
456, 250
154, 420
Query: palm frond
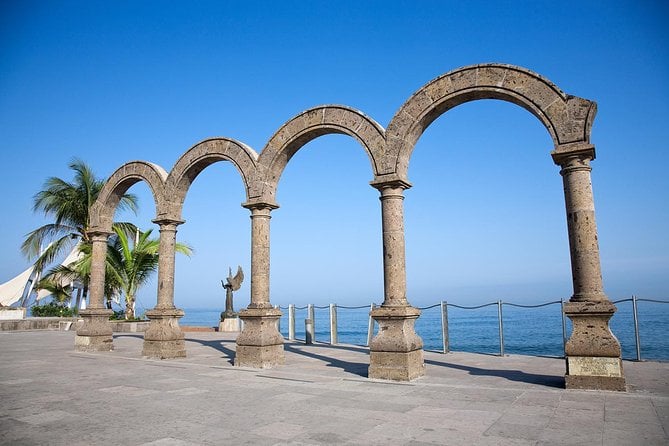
55, 250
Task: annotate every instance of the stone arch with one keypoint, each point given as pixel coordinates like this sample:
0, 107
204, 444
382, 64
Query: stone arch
196, 159
307, 126
567, 118
102, 211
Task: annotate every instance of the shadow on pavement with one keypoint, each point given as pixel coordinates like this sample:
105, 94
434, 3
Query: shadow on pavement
511, 375
356, 368
217, 345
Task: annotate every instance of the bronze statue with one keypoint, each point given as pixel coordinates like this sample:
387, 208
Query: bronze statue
231, 284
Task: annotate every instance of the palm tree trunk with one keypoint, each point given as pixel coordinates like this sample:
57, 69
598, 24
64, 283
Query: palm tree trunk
130, 308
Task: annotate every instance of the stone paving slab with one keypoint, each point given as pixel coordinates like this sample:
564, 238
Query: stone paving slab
50, 394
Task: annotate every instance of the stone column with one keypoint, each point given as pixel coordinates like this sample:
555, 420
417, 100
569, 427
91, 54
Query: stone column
95, 334
260, 345
396, 352
164, 339
592, 353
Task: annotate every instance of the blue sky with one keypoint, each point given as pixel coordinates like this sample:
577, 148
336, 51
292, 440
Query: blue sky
111, 82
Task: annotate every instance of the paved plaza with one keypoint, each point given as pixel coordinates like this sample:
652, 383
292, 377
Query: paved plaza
52, 395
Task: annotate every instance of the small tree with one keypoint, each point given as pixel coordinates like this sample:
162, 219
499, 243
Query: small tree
132, 263
69, 203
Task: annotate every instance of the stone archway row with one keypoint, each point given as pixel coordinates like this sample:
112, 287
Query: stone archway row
396, 352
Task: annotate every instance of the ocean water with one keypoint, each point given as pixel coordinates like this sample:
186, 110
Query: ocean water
526, 331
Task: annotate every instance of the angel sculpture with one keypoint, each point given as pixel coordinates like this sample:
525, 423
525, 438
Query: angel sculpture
231, 284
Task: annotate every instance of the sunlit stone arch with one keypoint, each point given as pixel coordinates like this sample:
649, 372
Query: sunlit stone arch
568, 119
198, 158
593, 353
102, 211
307, 126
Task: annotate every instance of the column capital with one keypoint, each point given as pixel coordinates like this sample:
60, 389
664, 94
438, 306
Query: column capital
566, 153
260, 204
393, 181
162, 222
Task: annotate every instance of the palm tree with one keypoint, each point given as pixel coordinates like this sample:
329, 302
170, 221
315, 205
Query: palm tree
131, 264
80, 271
69, 203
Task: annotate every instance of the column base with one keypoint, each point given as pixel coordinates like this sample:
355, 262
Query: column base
396, 352
592, 353
95, 334
594, 373
164, 339
259, 345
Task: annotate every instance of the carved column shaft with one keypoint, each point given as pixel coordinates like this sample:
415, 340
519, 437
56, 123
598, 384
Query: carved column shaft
394, 263
166, 255
582, 227
592, 352
260, 260
96, 287
164, 338
260, 345
396, 352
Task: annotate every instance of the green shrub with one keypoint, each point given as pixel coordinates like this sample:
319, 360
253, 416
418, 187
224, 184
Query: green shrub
120, 316
52, 309
117, 316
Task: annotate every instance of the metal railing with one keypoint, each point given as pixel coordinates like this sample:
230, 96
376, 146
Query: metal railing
310, 321
635, 318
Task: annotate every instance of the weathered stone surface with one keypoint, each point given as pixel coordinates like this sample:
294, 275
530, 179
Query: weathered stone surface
95, 333
567, 118
396, 366
592, 352
198, 158
396, 352
310, 124
587, 382
164, 339
259, 345
594, 366
93, 343
591, 335
102, 211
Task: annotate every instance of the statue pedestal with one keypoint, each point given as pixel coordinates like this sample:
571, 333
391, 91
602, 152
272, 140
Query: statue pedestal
230, 325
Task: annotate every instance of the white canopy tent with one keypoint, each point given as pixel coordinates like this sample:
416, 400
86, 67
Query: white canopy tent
20, 287
13, 290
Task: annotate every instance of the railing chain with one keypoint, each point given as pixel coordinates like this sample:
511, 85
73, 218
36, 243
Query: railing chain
444, 319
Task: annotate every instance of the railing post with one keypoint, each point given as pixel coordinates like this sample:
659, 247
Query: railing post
501, 328
308, 331
370, 326
444, 327
564, 329
636, 328
291, 322
333, 324
312, 315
